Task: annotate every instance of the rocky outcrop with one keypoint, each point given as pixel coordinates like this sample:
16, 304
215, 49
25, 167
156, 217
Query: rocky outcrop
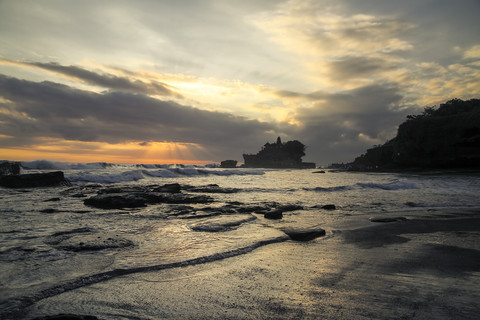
9, 168
228, 164
34, 180
304, 234
274, 214
279, 155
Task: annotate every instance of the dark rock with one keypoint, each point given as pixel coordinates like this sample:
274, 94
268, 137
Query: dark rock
328, 207
222, 223
49, 210
9, 168
387, 219
274, 214
67, 317
78, 244
33, 180
256, 209
116, 201
136, 200
228, 164
321, 171
168, 188
210, 188
290, 207
52, 200
304, 234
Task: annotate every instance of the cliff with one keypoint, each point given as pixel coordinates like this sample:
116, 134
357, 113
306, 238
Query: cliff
443, 137
279, 155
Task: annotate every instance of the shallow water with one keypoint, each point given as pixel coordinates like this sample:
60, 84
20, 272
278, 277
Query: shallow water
41, 229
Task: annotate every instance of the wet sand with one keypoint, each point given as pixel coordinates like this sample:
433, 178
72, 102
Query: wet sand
424, 267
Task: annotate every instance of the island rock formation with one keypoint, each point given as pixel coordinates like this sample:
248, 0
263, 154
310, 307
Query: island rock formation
279, 155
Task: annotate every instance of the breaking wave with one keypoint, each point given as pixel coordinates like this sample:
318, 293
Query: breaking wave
395, 185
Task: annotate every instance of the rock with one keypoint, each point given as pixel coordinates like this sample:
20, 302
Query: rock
290, 207
387, 219
321, 171
304, 234
228, 164
210, 188
169, 188
274, 214
33, 180
93, 243
328, 207
221, 223
52, 199
116, 201
136, 200
48, 210
65, 316
179, 199
9, 168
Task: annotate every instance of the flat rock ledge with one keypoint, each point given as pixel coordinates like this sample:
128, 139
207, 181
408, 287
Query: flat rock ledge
34, 180
304, 234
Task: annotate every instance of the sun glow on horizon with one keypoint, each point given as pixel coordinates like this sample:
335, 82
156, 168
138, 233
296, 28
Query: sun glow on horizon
88, 152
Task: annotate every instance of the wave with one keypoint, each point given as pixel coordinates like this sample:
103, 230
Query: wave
395, 185
14, 307
125, 176
330, 189
56, 165
135, 175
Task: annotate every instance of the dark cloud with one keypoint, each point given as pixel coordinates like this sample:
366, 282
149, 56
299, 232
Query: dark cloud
343, 125
359, 67
49, 109
106, 80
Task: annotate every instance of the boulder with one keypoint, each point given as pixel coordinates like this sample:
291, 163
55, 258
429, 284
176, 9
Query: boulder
141, 199
33, 180
228, 164
328, 207
290, 207
274, 214
168, 188
116, 201
304, 234
9, 168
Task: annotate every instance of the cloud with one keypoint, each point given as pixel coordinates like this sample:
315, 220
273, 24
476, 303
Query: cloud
31, 110
104, 80
472, 53
337, 48
339, 126
359, 67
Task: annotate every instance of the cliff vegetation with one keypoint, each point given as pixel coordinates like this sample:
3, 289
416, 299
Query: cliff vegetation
447, 136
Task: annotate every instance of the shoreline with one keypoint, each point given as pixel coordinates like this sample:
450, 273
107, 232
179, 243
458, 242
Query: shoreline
420, 268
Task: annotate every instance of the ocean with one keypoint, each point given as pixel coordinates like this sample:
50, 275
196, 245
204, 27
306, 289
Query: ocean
51, 242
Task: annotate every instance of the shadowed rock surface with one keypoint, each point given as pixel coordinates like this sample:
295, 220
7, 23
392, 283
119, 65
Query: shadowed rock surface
34, 180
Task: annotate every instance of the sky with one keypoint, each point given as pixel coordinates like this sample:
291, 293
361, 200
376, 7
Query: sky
201, 81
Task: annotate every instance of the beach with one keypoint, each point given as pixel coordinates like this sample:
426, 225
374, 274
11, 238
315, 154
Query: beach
421, 268
195, 242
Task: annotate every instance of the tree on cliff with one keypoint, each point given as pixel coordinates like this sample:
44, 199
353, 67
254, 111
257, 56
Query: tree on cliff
447, 136
440, 137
